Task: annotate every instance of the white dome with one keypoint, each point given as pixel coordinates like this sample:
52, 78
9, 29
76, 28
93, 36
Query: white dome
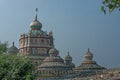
35, 23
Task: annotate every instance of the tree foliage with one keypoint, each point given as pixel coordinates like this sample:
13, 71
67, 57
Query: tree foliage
15, 68
111, 5
3, 47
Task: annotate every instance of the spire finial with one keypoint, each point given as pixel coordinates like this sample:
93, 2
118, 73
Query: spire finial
88, 49
36, 13
13, 43
68, 53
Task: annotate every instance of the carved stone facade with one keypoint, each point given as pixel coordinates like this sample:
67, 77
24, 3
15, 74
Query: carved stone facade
36, 43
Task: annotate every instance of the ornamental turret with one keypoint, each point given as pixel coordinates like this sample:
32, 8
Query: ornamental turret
88, 58
88, 55
68, 58
68, 61
89, 64
13, 50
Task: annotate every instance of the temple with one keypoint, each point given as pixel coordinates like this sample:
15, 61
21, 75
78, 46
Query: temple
38, 45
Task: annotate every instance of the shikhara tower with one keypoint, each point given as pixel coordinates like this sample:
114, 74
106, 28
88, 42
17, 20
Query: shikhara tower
36, 43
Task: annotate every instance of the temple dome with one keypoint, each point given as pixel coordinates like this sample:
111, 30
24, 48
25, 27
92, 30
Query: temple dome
13, 49
88, 55
88, 64
68, 57
54, 61
36, 24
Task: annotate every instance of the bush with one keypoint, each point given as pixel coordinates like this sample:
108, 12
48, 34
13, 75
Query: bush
15, 68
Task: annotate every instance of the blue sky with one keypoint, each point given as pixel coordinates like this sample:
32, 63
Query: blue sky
77, 25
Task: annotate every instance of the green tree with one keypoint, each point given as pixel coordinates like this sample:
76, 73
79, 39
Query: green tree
3, 47
16, 68
111, 5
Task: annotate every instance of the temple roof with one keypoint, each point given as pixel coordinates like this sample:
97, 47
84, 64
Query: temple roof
68, 57
53, 61
88, 63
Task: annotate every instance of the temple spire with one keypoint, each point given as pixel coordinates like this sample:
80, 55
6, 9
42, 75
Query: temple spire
68, 53
88, 49
13, 43
36, 14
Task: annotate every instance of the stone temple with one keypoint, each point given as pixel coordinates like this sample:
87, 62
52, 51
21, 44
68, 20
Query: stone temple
39, 46
36, 43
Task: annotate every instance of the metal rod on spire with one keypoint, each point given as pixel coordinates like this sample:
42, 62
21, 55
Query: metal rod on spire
68, 53
88, 49
13, 43
36, 9
36, 13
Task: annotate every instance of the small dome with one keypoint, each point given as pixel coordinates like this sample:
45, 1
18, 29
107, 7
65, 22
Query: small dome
68, 57
53, 52
13, 49
88, 55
